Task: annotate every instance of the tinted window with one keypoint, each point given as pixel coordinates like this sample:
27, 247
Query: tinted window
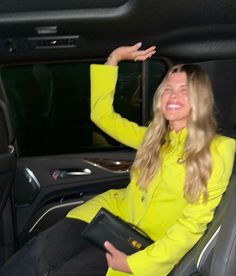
50, 106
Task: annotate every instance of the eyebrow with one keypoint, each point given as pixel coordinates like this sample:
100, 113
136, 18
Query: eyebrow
181, 85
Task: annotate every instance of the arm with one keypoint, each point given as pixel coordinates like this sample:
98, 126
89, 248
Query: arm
160, 257
103, 82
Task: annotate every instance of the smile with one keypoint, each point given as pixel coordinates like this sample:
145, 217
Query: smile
174, 106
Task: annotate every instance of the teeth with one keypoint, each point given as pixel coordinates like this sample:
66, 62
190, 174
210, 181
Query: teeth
173, 106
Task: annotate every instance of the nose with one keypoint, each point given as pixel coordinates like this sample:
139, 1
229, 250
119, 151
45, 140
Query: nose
173, 94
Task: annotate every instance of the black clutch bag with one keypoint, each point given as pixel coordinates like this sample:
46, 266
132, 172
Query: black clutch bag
124, 236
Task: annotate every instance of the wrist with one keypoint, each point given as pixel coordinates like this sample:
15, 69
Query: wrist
112, 60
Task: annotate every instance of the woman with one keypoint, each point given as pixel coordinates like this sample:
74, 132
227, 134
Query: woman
181, 169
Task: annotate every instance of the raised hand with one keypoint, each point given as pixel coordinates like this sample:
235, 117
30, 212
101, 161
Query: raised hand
130, 53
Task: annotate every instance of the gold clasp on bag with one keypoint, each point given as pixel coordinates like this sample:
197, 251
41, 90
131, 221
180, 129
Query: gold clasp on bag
134, 243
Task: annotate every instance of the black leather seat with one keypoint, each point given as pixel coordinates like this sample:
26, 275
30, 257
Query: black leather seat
214, 254
224, 259
7, 174
7, 160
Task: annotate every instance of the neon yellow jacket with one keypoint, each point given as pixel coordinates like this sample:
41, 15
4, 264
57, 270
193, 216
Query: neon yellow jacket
164, 214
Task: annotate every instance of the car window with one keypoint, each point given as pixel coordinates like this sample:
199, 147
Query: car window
50, 105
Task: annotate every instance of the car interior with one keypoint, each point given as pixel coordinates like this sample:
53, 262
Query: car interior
52, 157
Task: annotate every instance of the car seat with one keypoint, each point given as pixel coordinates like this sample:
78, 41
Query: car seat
7, 174
214, 254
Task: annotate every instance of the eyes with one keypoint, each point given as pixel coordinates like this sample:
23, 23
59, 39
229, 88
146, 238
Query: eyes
170, 90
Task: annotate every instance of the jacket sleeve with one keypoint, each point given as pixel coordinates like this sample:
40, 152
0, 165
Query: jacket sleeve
160, 258
103, 83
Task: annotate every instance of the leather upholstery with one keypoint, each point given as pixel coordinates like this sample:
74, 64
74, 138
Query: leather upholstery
214, 254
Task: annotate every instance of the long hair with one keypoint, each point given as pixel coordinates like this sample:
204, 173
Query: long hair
201, 128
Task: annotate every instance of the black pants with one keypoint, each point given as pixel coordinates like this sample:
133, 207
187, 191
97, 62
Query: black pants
58, 251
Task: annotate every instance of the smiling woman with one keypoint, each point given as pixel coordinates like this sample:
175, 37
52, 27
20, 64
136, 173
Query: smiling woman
175, 101
46, 49
182, 199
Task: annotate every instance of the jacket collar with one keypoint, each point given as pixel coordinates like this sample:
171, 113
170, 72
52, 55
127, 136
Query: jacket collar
174, 138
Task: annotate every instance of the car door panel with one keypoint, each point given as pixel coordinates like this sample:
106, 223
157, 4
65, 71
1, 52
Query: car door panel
41, 198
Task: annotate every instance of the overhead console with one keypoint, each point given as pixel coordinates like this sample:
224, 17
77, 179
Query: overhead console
57, 30
53, 30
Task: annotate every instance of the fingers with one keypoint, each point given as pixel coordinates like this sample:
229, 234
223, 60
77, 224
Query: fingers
110, 248
137, 46
109, 259
116, 259
112, 253
147, 51
142, 55
130, 53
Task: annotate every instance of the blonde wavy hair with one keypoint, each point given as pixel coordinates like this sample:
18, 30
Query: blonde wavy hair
201, 126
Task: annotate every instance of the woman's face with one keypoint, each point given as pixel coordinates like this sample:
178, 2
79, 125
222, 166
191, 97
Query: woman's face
175, 103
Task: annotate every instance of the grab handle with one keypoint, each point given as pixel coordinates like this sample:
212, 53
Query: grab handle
65, 173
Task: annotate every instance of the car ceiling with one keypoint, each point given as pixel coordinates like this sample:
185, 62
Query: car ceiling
56, 30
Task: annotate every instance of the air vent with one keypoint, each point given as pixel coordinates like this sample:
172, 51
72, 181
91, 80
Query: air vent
53, 42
